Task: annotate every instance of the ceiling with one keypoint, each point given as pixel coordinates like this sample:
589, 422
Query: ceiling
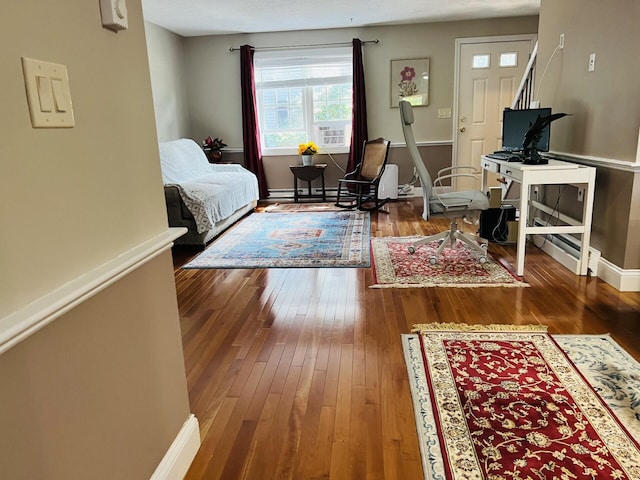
190, 18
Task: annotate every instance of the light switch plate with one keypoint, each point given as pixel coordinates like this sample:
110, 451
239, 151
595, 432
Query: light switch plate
48, 94
444, 113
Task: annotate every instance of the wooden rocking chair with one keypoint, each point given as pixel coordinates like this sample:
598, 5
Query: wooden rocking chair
359, 189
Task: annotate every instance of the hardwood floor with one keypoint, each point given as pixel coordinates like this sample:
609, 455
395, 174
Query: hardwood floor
299, 373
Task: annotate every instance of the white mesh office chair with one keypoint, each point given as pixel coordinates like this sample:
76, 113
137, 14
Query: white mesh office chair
454, 205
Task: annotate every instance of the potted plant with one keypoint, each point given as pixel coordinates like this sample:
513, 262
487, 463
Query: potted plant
307, 151
213, 147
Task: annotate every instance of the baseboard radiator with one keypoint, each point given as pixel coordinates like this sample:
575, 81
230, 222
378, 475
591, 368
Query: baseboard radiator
332, 192
287, 193
566, 250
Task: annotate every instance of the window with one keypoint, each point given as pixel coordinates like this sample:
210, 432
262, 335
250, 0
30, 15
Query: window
304, 95
509, 59
481, 61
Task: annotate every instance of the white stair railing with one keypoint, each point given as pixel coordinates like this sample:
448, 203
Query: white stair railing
524, 94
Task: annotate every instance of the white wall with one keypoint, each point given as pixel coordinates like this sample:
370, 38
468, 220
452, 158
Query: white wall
82, 195
166, 65
213, 73
99, 391
605, 108
605, 103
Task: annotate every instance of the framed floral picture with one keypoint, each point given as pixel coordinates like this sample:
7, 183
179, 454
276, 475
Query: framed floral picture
410, 81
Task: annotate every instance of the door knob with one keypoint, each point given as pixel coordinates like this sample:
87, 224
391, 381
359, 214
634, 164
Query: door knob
463, 129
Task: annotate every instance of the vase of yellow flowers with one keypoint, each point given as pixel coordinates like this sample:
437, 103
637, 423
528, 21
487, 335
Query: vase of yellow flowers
307, 151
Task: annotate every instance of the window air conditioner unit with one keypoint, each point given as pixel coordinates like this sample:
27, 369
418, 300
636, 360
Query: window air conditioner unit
332, 135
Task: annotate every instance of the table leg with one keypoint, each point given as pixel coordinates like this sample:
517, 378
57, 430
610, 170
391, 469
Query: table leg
587, 213
295, 189
522, 231
483, 180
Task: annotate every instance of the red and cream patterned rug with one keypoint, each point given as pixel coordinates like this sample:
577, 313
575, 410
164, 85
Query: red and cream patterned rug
504, 402
395, 267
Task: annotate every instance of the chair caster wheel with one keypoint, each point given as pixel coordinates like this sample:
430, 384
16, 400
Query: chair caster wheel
433, 261
412, 250
482, 260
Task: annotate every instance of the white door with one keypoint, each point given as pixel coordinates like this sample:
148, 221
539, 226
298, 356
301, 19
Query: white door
488, 75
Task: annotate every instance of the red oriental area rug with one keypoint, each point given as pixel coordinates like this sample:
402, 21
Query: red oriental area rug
507, 403
395, 267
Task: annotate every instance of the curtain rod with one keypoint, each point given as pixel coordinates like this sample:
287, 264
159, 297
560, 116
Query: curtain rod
283, 47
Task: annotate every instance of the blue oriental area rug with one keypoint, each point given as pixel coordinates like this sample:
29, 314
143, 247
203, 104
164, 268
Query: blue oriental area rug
291, 240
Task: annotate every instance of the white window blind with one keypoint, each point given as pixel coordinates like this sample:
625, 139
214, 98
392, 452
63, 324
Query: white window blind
304, 95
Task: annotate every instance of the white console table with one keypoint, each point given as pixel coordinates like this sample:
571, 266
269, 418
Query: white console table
554, 173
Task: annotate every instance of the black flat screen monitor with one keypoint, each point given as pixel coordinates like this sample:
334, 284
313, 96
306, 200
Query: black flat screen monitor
515, 124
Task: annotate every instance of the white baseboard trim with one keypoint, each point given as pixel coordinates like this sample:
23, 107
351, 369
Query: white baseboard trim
177, 460
619, 278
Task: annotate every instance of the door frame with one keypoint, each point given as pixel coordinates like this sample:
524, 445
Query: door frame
531, 37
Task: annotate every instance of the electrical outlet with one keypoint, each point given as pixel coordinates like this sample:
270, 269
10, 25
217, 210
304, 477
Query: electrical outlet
561, 44
592, 62
580, 194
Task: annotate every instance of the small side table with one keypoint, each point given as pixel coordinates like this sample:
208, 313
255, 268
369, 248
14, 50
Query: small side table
308, 173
